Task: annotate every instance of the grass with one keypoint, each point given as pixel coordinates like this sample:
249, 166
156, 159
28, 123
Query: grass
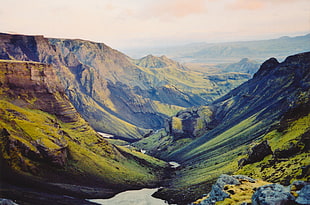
288, 169
89, 153
220, 155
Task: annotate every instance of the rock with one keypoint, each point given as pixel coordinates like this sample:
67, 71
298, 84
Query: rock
190, 123
7, 202
225, 179
256, 153
298, 185
218, 194
267, 66
272, 194
244, 178
304, 195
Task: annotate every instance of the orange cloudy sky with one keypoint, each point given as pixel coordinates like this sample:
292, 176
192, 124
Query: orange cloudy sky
135, 23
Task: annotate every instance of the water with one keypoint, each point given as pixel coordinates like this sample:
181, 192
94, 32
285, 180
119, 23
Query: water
132, 197
174, 164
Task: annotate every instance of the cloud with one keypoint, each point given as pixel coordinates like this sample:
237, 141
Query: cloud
259, 4
248, 4
176, 8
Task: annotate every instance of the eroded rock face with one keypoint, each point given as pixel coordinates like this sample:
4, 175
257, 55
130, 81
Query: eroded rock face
272, 194
38, 83
190, 123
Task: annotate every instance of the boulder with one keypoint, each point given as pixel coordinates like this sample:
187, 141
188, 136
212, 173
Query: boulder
217, 193
7, 202
272, 194
256, 153
304, 195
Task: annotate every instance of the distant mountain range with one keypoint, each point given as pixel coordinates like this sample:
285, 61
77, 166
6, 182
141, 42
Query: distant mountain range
114, 93
230, 52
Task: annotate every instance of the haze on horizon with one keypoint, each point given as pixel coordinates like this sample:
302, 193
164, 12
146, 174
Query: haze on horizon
124, 24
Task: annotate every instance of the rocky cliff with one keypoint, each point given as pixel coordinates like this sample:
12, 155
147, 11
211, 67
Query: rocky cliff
36, 86
114, 93
46, 146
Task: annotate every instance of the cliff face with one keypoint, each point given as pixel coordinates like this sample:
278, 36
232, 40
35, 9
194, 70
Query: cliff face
114, 93
24, 82
44, 142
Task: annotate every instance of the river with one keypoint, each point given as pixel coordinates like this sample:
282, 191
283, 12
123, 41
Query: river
132, 197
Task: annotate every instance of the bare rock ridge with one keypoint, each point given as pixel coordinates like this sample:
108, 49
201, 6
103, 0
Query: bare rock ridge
32, 80
114, 93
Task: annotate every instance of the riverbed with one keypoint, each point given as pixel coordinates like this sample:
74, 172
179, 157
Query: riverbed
132, 197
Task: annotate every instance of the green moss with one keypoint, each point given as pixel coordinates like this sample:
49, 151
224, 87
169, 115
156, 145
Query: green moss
288, 169
176, 123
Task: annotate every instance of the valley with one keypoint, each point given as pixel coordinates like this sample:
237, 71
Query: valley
80, 120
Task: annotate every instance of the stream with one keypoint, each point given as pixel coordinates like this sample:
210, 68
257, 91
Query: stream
132, 197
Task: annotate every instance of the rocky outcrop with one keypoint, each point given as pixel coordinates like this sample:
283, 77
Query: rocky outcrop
243, 189
38, 83
304, 195
256, 153
222, 189
190, 123
272, 194
7, 202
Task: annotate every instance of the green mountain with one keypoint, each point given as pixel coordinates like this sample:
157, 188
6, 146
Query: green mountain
212, 140
114, 93
47, 148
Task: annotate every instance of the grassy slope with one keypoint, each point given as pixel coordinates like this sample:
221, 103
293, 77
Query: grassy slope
89, 154
37, 147
194, 180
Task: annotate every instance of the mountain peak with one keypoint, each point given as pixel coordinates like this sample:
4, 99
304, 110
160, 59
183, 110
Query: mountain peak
267, 66
151, 61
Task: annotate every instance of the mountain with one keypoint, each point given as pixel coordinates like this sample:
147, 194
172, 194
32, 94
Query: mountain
48, 149
114, 93
245, 65
230, 52
151, 61
272, 108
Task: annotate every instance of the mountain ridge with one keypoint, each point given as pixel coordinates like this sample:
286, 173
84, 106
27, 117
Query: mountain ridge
111, 92
222, 132
230, 52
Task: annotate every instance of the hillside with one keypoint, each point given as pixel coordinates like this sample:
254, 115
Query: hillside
208, 141
114, 93
47, 148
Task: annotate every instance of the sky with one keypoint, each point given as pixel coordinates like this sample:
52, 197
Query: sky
124, 24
